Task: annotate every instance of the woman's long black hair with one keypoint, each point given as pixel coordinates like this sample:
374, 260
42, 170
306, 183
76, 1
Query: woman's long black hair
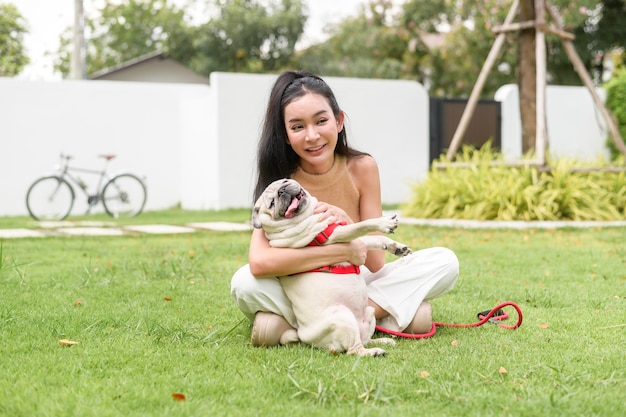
275, 158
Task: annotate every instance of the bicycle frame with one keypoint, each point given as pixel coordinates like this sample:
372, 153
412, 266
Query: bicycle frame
65, 171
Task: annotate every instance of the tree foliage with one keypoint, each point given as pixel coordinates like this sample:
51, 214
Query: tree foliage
13, 26
128, 30
384, 40
370, 45
466, 37
248, 36
244, 35
601, 29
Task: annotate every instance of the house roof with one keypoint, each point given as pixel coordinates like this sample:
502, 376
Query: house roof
155, 67
152, 56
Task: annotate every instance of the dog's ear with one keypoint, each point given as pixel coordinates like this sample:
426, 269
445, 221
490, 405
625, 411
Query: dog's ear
256, 222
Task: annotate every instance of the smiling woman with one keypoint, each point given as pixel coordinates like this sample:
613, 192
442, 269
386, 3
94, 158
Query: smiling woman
304, 138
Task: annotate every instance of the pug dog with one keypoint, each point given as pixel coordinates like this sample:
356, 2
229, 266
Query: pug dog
332, 311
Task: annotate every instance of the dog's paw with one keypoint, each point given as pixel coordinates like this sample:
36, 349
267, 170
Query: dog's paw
388, 224
398, 249
383, 341
372, 352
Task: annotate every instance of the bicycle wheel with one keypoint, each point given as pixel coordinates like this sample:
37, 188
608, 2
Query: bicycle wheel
50, 198
124, 196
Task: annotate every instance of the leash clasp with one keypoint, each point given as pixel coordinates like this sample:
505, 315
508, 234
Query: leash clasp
496, 318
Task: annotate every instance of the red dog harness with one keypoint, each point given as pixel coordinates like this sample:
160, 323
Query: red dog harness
319, 240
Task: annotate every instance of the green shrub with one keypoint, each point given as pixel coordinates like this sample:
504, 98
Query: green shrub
484, 191
616, 102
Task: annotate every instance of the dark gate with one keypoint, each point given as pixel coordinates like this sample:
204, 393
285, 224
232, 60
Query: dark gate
445, 115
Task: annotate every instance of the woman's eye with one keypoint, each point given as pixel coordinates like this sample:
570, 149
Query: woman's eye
296, 127
322, 121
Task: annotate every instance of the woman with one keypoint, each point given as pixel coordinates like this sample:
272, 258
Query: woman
304, 138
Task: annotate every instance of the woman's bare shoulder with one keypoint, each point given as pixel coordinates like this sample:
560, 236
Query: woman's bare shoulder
362, 165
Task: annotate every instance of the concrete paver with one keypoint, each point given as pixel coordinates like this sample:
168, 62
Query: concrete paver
51, 224
90, 231
159, 229
16, 233
518, 224
101, 229
221, 226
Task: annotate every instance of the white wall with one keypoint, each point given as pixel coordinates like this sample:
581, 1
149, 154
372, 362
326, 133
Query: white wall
575, 126
388, 119
195, 144
142, 123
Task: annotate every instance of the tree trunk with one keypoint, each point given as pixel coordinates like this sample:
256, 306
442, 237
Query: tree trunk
527, 76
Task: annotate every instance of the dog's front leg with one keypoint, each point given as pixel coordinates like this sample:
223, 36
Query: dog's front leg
352, 231
384, 243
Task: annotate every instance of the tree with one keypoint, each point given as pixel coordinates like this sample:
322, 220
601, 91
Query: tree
451, 68
128, 30
467, 42
526, 76
369, 45
245, 35
13, 57
249, 36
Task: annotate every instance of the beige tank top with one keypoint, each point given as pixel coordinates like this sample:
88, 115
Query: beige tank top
333, 187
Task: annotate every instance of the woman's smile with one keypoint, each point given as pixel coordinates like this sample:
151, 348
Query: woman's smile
316, 149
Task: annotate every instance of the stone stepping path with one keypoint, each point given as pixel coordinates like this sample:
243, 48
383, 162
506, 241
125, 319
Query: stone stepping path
109, 229
85, 228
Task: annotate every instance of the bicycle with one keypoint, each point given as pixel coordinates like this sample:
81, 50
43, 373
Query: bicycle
52, 196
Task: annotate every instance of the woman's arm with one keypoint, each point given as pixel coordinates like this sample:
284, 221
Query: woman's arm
268, 261
366, 178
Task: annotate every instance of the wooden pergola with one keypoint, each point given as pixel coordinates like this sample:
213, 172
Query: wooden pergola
542, 27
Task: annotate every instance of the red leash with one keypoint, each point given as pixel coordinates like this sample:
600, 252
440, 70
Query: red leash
495, 316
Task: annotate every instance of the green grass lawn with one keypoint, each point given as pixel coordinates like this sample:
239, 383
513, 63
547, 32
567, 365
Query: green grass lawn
153, 317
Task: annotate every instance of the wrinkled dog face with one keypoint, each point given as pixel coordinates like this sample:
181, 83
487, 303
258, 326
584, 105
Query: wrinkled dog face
283, 198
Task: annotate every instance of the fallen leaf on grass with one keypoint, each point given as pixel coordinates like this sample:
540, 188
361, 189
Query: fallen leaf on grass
424, 374
179, 396
454, 342
78, 303
167, 298
67, 342
544, 326
502, 370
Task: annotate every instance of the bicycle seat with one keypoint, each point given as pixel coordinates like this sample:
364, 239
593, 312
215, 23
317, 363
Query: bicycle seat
107, 156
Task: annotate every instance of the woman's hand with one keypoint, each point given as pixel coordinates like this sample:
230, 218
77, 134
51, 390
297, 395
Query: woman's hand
331, 213
358, 254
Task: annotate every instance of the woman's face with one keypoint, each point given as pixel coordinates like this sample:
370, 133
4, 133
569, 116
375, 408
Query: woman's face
312, 131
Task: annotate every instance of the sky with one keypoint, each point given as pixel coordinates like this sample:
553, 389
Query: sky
47, 19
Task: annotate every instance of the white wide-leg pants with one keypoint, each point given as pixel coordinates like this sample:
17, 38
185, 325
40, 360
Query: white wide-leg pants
399, 287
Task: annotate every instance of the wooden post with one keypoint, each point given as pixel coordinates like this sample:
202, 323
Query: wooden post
480, 82
586, 79
77, 69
